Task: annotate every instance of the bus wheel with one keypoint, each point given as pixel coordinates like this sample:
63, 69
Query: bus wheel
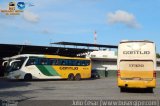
149, 90
122, 89
70, 77
78, 77
28, 77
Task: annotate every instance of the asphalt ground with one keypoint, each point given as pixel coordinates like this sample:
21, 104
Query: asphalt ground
98, 89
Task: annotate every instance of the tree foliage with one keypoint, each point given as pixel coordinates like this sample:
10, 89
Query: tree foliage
158, 55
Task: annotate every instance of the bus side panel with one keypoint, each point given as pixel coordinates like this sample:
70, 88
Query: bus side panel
64, 71
42, 72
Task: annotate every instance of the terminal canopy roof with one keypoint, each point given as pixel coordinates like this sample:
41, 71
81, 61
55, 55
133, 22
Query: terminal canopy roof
86, 44
7, 50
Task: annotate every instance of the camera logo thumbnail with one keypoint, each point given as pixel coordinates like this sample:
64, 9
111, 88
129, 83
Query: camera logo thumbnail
12, 9
16, 8
11, 6
21, 5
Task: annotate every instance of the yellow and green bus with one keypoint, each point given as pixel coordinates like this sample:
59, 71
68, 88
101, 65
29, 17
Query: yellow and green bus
32, 66
136, 65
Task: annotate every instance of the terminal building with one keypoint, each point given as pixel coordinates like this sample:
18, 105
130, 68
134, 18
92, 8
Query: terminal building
103, 57
104, 61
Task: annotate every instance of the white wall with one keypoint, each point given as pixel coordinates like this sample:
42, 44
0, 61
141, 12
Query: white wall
101, 65
102, 54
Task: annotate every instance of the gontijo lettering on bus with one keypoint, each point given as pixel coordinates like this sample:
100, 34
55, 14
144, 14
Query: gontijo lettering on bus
68, 68
136, 52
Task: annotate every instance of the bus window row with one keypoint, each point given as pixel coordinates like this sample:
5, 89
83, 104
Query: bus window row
51, 61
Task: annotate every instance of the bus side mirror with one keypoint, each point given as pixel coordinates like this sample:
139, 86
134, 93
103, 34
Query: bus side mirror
13, 62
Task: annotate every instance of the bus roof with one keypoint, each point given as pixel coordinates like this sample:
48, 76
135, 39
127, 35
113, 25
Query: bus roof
128, 41
22, 55
41, 55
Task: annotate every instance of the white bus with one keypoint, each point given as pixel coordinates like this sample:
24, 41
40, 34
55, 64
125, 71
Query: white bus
136, 65
32, 66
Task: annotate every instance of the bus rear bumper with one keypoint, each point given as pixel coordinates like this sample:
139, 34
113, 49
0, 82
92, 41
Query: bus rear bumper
137, 83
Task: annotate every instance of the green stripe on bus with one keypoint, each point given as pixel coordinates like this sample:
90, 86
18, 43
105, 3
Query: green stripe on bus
47, 70
44, 70
52, 70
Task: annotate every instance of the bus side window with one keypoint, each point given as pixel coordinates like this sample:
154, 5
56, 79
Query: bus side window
66, 62
70, 62
43, 61
87, 62
78, 63
59, 62
53, 61
83, 63
31, 61
75, 63
62, 62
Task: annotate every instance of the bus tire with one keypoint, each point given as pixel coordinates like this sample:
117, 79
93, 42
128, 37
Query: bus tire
70, 77
122, 89
77, 77
28, 77
149, 90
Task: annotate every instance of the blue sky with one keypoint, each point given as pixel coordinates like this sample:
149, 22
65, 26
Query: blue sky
76, 20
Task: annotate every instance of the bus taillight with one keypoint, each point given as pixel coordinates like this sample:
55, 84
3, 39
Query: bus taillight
154, 74
118, 73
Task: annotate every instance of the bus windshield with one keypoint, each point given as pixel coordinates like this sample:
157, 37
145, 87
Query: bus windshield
16, 64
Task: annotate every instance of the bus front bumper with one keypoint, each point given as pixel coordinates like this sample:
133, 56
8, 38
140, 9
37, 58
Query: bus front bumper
137, 83
14, 75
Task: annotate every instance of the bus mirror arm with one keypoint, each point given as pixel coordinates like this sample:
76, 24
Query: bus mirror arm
3, 64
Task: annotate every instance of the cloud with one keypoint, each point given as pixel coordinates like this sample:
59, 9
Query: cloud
46, 31
122, 17
30, 17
